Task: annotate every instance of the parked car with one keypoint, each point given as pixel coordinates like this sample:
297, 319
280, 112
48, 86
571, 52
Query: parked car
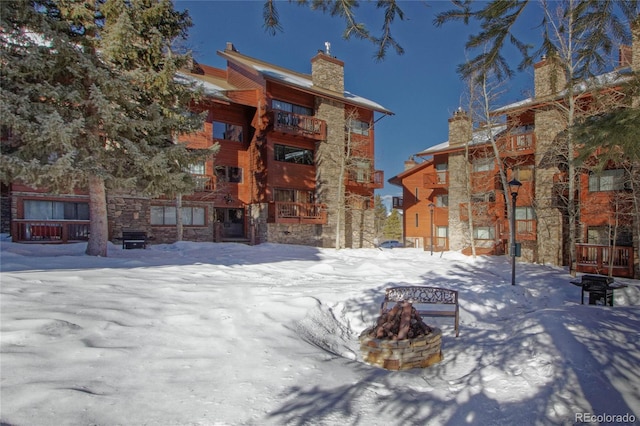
391, 244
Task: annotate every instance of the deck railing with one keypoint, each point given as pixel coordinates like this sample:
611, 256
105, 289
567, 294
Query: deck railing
291, 212
597, 259
298, 124
49, 231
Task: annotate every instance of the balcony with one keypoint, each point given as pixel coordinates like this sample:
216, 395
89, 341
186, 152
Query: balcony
438, 179
518, 144
204, 183
364, 177
482, 212
49, 231
291, 212
301, 125
596, 259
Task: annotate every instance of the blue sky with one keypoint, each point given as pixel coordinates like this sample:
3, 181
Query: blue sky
421, 87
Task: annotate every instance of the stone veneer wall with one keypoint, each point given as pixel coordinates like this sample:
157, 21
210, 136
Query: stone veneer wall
418, 352
328, 159
459, 237
299, 234
126, 211
359, 229
460, 133
548, 123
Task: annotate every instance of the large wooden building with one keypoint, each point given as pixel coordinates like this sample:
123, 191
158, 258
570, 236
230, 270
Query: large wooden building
445, 185
295, 165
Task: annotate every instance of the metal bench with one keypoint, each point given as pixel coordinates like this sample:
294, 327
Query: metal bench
134, 240
431, 301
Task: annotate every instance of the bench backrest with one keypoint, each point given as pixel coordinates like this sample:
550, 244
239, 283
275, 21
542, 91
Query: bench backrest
134, 235
427, 295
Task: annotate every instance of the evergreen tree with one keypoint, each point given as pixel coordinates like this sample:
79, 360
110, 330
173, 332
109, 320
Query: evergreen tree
89, 93
393, 226
380, 216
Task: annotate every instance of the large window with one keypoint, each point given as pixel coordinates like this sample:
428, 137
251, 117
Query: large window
166, 215
608, 180
524, 219
55, 210
483, 165
293, 195
441, 172
289, 107
484, 233
359, 127
292, 154
523, 173
442, 200
226, 131
229, 174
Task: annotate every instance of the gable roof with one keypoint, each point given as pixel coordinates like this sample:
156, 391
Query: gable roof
478, 137
297, 80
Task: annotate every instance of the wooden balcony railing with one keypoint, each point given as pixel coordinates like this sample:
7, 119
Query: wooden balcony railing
518, 144
481, 211
362, 177
49, 231
204, 183
290, 212
596, 259
297, 124
438, 179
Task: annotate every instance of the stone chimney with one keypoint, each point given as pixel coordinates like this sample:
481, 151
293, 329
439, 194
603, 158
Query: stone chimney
460, 128
327, 72
409, 163
231, 47
549, 77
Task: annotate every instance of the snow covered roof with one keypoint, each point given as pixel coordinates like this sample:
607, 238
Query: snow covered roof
299, 80
478, 137
210, 88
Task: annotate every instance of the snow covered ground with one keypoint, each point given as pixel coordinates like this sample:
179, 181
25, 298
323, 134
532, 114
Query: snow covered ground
228, 334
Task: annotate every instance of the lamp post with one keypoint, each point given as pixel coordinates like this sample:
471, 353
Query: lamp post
514, 187
431, 206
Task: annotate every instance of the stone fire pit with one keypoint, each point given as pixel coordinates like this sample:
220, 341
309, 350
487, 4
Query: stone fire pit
401, 340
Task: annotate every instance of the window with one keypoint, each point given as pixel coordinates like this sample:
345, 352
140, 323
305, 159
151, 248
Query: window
166, 215
197, 169
483, 165
229, 174
359, 127
226, 131
292, 154
441, 172
417, 221
289, 107
524, 220
55, 210
608, 180
396, 202
523, 173
293, 195
484, 233
361, 171
603, 235
442, 200
416, 194
487, 197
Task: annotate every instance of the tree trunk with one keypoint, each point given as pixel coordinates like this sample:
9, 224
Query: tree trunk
179, 227
98, 227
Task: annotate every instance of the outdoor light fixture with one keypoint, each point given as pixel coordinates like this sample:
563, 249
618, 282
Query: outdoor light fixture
514, 187
431, 206
228, 198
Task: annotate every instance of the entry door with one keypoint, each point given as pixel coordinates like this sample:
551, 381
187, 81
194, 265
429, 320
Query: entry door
232, 222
